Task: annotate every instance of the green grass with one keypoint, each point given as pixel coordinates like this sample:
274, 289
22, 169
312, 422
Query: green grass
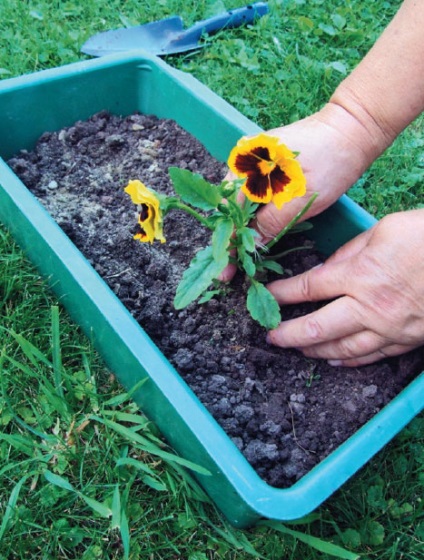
82, 475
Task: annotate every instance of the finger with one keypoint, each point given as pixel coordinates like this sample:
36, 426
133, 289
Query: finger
269, 221
229, 271
335, 320
230, 176
326, 281
361, 343
388, 351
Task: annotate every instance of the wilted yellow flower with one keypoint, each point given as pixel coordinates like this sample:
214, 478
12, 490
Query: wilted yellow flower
150, 215
272, 173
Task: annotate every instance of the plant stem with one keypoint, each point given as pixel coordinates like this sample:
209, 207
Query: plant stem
284, 253
185, 208
291, 223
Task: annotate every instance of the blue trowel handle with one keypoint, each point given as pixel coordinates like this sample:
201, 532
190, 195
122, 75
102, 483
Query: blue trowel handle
232, 18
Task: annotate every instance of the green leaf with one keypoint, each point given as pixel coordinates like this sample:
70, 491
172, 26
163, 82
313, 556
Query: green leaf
338, 66
58, 481
221, 236
207, 296
338, 20
198, 276
305, 24
98, 507
152, 482
194, 190
247, 262
247, 236
374, 533
328, 29
272, 265
351, 538
375, 497
399, 511
262, 306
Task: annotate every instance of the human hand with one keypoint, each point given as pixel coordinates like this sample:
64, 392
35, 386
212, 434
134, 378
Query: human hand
334, 152
378, 282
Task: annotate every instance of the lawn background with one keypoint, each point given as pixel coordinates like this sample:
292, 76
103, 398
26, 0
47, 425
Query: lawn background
70, 488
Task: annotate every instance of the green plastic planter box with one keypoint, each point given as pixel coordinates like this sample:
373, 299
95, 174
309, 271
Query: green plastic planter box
123, 84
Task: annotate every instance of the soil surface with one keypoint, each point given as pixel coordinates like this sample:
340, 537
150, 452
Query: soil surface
283, 411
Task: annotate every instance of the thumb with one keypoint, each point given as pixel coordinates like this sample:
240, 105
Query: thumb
269, 221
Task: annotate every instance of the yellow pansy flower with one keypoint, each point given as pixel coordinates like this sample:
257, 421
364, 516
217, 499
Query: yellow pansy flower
272, 173
150, 215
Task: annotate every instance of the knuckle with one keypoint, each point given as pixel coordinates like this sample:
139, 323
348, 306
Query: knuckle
314, 330
365, 343
305, 287
352, 348
268, 224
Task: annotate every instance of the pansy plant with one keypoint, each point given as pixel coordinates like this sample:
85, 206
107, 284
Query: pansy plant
266, 171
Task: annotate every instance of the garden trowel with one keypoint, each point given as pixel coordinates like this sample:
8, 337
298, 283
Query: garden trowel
168, 36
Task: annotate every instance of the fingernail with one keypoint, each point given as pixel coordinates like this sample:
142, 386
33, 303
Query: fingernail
334, 363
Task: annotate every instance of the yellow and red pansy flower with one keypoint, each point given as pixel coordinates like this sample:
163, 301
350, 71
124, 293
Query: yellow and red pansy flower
149, 212
271, 170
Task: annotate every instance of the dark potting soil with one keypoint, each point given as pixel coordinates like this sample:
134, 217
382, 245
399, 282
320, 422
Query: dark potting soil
283, 411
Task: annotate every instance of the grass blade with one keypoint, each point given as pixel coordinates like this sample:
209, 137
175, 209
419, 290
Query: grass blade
314, 542
150, 447
56, 351
120, 521
98, 507
11, 504
237, 539
124, 397
59, 481
23, 444
125, 535
136, 464
116, 509
62, 482
33, 354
